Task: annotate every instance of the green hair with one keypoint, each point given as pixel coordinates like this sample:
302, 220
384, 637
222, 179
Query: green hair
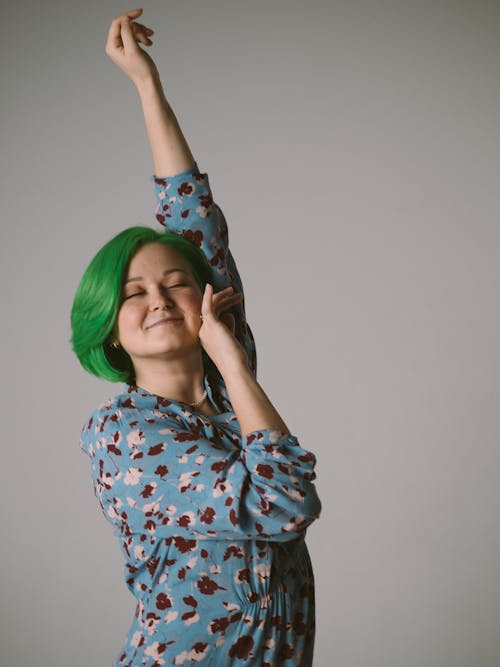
99, 296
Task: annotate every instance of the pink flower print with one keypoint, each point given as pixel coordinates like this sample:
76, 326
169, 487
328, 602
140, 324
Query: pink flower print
132, 476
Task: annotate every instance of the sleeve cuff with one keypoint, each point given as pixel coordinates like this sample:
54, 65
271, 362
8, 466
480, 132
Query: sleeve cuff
271, 437
162, 180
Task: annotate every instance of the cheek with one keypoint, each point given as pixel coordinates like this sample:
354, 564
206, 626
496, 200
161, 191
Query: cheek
193, 302
126, 318
192, 309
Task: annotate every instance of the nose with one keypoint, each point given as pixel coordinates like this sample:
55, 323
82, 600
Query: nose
160, 300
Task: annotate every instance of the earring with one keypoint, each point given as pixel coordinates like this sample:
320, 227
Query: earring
115, 344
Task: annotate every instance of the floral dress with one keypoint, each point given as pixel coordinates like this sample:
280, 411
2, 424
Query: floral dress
211, 524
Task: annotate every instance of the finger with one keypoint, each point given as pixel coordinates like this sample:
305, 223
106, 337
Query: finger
142, 38
114, 40
128, 39
229, 321
206, 302
228, 303
227, 291
222, 298
132, 14
142, 28
116, 23
141, 35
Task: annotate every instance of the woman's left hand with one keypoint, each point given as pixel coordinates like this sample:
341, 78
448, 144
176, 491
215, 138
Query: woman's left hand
217, 330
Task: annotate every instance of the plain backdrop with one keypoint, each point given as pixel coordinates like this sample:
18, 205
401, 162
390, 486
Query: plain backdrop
355, 149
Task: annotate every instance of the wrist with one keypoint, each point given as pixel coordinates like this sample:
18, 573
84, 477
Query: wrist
148, 83
236, 371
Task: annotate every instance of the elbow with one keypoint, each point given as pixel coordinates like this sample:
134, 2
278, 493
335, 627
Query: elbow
308, 512
298, 516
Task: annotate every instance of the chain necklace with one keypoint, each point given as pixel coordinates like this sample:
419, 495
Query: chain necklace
197, 404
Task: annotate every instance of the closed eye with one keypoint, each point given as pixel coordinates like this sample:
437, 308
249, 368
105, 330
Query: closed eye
130, 296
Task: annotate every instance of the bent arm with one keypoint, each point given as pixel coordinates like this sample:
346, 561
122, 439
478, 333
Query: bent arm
261, 490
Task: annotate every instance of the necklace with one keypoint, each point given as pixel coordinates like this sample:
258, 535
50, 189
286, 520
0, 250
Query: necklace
197, 404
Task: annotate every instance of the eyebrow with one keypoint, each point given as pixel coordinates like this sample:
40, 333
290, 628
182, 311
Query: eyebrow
165, 273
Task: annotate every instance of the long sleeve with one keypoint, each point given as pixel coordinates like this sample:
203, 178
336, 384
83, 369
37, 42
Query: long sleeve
185, 206
161, 477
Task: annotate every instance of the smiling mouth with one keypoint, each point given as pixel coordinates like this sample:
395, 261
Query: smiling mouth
164, 322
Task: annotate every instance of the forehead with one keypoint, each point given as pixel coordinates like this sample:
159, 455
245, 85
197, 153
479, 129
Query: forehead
154, 258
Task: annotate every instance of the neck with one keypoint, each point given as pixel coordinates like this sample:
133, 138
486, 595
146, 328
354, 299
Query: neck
178, 379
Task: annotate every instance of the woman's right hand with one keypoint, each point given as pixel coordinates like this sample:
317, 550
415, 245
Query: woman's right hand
217, 330
123, 48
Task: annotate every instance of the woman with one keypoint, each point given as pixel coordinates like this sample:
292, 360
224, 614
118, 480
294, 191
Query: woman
208, 492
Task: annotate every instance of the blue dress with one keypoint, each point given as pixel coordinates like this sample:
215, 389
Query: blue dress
211, 524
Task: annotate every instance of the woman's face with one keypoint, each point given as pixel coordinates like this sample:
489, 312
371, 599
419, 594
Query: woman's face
160, 312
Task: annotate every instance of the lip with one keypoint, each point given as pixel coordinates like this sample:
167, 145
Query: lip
165, 321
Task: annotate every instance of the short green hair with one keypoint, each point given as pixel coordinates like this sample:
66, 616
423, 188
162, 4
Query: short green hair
99, 296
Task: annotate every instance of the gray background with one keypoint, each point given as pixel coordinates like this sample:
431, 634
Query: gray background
354, 147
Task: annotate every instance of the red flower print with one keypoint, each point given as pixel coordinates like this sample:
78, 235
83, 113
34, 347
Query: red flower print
285, 652
152, 565
242, 647
148, 490
156, 449
183, 436
276, 622
163, 601
199, 647
206, 201
184, 545
195, 237
298, 624
264, 470
163, 402
233, 551
219, 625
208, 586
189, 615
185, 189
243, 575
208, 515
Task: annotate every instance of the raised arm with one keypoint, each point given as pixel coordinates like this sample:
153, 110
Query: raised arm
171, 153
186, 207
185, 204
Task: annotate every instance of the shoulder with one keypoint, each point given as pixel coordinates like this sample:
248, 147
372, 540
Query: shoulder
109, 418
128, 416
100, 420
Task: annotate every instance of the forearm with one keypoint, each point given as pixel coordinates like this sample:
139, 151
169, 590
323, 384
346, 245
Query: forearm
252, 407
170, 150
